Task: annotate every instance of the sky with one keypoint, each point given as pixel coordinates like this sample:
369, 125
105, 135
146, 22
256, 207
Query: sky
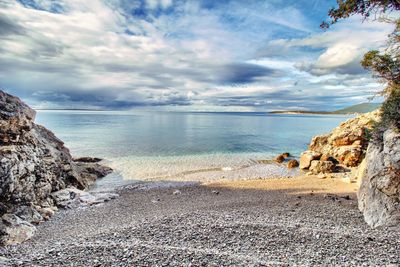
225, 55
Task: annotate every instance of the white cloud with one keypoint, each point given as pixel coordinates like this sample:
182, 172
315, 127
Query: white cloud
97, 53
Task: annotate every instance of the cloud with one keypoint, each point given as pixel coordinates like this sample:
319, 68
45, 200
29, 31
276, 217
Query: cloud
123, 54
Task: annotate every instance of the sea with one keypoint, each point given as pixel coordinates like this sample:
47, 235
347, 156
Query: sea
184, 147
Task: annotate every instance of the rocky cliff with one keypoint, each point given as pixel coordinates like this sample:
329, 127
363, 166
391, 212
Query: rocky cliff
352, 149
379, 193
344, 147
34, 165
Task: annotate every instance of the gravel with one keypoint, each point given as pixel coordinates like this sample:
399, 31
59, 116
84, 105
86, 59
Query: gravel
197, 227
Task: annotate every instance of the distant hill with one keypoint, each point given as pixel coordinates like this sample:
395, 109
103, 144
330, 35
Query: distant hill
360, 108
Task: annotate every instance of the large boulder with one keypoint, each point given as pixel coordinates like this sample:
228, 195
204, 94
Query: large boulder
379, 193
14, 230
34, 163
348, 142
307, 157
319, 166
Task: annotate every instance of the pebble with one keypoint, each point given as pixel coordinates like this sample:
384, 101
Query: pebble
245, 228
177, 192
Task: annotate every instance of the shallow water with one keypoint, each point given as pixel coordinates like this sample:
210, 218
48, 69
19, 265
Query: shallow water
153, 146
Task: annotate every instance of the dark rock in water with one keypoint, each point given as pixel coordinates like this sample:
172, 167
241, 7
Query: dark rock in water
293, 164
281, 158
34, 163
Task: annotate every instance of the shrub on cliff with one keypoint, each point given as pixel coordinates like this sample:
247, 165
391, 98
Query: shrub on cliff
384, 64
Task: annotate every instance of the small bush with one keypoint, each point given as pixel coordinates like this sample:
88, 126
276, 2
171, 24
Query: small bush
391, 110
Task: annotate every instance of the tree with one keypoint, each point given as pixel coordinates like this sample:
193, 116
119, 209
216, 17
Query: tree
385, 64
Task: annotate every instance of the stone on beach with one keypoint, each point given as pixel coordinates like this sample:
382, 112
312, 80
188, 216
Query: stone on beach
14, 230
307, 157
318, 166
71, 196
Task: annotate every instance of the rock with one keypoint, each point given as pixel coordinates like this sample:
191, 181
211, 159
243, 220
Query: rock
156, 200
34, 163
281, 158
29, 214
87, 159
46, 213
326, 157
321, 176
15, 118
71, 196
359, 172
63, 198
4, 262
14, 230
177, 192
293, 164
318, 166
97, 198
306, 158
379, 193
347, 143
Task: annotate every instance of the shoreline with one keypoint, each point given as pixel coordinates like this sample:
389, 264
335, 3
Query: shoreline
281, 221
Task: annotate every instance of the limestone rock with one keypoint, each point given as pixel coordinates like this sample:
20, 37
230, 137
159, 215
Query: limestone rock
306, 158
97, 198
15, 118
318, 166
70, 197
379, 191
34, 163
358, 173
14, 230
347, 143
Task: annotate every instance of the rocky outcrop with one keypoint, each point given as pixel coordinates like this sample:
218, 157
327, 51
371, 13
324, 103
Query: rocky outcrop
34, 165
379, 193
346, 145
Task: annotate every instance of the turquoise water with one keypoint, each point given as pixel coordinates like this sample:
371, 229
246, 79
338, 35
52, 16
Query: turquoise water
186, 146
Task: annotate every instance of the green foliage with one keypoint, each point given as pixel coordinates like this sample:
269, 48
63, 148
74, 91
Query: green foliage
366, 8
391, 109
384, 65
